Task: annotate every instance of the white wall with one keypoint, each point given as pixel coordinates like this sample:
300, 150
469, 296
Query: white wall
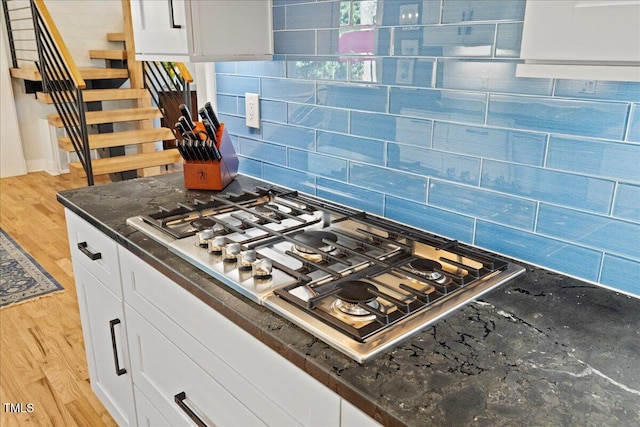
83, 25
11, 156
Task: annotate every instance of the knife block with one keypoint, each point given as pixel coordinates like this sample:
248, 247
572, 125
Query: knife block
213, 175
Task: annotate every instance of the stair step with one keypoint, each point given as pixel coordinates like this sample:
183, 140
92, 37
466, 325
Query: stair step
115, 37
90, 73
118, 139
112, 116
128, 162
108, 54
91, 95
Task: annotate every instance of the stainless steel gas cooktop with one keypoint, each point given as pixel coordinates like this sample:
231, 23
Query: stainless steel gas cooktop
359, 282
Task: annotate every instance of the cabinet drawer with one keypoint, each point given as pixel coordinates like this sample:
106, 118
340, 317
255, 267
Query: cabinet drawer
286, 386
94, 251
175, 385
146, 413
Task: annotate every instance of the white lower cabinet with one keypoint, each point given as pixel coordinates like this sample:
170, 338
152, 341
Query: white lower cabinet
105, 340
147, 414
159, 356
178, 387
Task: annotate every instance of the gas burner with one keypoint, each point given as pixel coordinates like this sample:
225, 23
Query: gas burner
429, 269
314, 239
202, 224
269, 210
353, 292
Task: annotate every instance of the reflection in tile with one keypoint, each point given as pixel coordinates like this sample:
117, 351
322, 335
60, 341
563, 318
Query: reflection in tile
289, 178
249, 167
392, 71
261, 68
350, 195
291, 136
495, 207
554, 254
313, 15
227, 104
410, 13
482, 10
294, 42
593, 157
564, 189
448, 40
621, 91
331, 119
490, 143
274, 111
259, 150
236, 85
361, 12
354, 41
451, 167
430, 219
508, 40
634, 124
237, 126
318, 68
489, 76
389, 181
582, 118
608, 234
617, 271
391, 128
318, 164
288, 90
626, 204
438, 104
356, 97
350, 147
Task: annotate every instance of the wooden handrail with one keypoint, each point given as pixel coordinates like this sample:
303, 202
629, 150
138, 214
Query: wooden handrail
184, 71
59, 42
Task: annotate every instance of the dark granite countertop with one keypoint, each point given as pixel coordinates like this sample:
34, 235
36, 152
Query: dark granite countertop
542, 350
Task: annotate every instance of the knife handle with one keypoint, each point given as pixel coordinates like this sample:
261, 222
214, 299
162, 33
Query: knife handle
212, 115
211, 133
185, 112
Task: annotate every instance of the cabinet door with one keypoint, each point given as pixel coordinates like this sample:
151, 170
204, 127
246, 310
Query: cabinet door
582, 30
179, 388
159, 27
231, 30
105, 341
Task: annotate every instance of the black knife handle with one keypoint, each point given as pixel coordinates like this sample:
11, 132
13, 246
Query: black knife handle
188, 125
211, 133
186, 113
212, 115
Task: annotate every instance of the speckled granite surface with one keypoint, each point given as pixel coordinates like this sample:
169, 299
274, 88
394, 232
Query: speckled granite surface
542, 350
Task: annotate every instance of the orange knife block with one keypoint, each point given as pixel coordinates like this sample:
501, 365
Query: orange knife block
213, 175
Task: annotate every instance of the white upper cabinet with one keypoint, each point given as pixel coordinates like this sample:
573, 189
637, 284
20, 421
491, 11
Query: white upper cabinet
202, 31
581, 39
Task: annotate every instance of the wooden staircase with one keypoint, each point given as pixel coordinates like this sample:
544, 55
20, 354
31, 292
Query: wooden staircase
147, 161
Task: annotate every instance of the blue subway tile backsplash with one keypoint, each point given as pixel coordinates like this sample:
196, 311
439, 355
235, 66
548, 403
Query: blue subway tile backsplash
413, 111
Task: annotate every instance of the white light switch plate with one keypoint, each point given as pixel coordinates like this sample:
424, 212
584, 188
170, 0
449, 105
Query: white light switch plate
252, 109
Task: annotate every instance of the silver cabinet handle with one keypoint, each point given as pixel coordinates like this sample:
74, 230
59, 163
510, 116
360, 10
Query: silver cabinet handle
179, 399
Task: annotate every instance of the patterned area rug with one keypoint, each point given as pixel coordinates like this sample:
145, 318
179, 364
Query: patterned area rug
21, 277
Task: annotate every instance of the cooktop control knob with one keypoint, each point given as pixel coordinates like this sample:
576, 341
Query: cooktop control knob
246, 259
230, 252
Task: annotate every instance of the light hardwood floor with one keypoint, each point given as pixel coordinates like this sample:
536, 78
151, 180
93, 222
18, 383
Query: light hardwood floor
42, 358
